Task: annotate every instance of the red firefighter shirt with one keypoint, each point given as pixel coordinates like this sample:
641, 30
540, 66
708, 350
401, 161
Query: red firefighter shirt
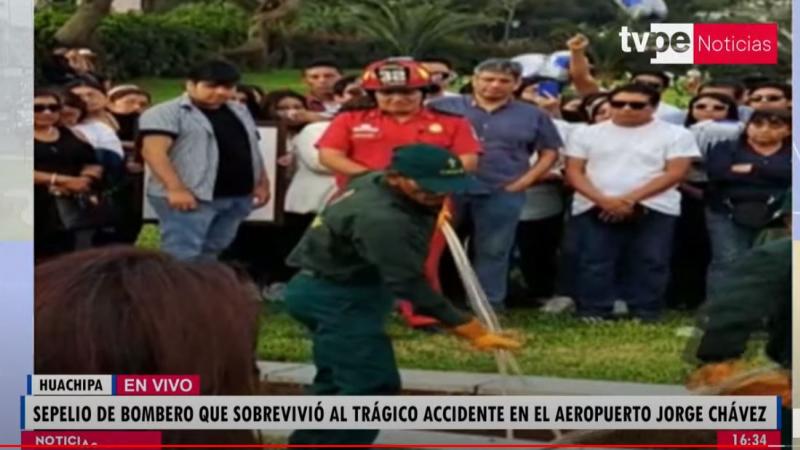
368, 137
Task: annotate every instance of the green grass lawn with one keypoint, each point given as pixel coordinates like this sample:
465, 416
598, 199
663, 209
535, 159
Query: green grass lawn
555, 345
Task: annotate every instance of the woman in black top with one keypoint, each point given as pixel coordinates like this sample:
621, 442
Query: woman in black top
127, 103
748, 179
64, 165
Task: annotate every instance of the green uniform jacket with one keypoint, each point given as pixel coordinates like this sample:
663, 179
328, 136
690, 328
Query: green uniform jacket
757, 289
373, 234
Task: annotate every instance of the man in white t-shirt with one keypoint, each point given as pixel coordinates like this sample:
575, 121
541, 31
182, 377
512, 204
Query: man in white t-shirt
625, 172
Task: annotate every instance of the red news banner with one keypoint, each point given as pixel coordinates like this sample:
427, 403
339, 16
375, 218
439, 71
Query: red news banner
756, 439
93, 439
735, 43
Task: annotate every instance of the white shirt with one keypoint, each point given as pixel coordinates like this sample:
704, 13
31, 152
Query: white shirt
670, 113
313, 183
543, 200
622, 159
101, 136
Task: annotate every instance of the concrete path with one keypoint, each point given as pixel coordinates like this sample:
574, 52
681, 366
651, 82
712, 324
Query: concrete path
463, 383
482, 383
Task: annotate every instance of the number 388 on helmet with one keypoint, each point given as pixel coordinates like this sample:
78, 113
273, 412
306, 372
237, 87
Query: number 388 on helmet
395, 72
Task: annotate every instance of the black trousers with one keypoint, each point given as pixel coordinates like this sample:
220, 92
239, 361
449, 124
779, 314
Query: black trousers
691, 256
262, 248
538, 242
129, 202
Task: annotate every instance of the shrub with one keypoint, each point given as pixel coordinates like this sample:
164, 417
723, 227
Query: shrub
134, 45
140, 45
45, 25
222, 23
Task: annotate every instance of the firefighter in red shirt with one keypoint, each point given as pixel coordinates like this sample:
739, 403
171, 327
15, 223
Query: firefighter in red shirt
360, 141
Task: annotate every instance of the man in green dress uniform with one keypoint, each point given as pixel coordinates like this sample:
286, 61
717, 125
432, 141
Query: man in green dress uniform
367, 248
756, 295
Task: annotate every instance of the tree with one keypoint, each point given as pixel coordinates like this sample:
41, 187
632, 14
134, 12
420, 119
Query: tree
510, 9
411, 28
268, 16
80, 27
760, 11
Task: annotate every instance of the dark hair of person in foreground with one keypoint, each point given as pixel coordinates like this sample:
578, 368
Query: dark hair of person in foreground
122, 310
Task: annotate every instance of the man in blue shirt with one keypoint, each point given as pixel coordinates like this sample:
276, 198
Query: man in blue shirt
509, 131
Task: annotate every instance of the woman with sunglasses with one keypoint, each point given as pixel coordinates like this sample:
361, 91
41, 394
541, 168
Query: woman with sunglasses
711, 117
64, 165
711, 106
748, 178
770, 95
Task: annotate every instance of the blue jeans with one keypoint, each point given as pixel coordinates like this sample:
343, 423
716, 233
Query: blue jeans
728, 240
494, 217
203, 233
632, 257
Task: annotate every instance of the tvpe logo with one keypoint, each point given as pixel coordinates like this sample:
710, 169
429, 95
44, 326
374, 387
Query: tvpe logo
705, 43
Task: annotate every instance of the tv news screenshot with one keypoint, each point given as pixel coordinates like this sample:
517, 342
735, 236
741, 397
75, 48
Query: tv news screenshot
397, 224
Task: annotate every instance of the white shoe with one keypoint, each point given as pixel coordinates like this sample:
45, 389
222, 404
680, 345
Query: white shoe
558, 305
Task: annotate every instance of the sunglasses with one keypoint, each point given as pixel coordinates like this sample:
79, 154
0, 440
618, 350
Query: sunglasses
766, 98
705, 106
632, 105
397, 91
52, 107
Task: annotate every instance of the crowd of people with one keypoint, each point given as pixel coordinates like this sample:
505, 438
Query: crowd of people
610, 202
607, 200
